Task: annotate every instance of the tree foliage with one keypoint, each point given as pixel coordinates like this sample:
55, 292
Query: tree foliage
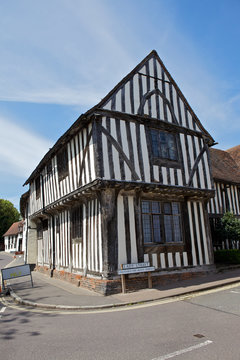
8, 215
229, 227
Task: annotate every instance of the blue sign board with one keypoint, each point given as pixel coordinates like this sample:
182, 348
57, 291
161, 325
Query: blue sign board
16, 272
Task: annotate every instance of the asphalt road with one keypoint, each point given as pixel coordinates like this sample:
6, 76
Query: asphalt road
203, 327
4, 259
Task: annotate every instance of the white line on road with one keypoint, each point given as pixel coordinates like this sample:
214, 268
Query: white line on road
235, 292
183, 351
2, 310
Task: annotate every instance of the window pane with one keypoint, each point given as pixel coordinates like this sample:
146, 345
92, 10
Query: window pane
147, 232
164, 145
172, 147
156, 207
156, 228
155, 143
177, 229
175, 208
168, 228
62, 163
77, 223
167, 208
145, 207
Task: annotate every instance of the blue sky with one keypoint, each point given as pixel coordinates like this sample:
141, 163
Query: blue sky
61, 57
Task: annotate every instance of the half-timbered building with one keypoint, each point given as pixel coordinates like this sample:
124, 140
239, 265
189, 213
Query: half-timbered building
128, 182
226, 176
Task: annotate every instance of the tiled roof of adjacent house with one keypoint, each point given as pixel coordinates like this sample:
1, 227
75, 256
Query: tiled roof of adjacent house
235, 154
15, 228
224, 167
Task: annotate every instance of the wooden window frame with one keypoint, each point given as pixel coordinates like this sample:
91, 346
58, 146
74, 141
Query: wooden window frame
162, 225
160, 158
62, 163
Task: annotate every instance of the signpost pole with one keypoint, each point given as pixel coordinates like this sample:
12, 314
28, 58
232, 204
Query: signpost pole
149, 280
123, 282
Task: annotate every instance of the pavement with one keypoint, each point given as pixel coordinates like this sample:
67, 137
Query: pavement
51, 293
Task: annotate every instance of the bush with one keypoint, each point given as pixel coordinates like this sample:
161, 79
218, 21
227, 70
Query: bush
227, 256
227, 228
231, 226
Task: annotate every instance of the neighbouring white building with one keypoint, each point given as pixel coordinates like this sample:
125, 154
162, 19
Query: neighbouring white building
13, 238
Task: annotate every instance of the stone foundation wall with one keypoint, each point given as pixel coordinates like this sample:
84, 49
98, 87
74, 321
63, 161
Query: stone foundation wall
110, 287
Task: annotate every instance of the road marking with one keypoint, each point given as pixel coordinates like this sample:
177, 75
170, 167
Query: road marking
235, 292
183, 351
2, 310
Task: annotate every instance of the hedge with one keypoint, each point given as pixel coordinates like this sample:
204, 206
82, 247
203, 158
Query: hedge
227, 256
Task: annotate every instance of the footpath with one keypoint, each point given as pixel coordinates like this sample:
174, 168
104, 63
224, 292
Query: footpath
50, 293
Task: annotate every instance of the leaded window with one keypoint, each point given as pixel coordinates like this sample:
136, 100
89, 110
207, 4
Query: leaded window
39, 230
164, 145
76, 223
62, 163
161, 222
37, 186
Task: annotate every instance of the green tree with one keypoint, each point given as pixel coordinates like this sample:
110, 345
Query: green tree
228, 228
8, 215
231, 226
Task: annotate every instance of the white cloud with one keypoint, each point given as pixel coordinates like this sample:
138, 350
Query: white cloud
59, 52
20, 150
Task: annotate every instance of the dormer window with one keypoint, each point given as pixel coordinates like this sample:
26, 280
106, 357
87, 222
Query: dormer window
164, 145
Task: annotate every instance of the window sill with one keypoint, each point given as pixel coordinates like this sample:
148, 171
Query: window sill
167, 163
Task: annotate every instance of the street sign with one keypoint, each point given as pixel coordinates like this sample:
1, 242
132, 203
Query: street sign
16, 272
137, 265
136, 270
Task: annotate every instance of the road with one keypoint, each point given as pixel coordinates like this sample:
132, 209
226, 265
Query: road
202, 327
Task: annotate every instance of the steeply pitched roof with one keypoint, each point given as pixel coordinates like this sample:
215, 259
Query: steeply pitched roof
149, 67
224, 166
84, 118
15, 228
235, 153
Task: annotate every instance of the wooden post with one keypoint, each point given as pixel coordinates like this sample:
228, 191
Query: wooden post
149, 280
123, 279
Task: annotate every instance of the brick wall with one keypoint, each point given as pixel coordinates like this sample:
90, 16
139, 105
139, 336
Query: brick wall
109, 287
